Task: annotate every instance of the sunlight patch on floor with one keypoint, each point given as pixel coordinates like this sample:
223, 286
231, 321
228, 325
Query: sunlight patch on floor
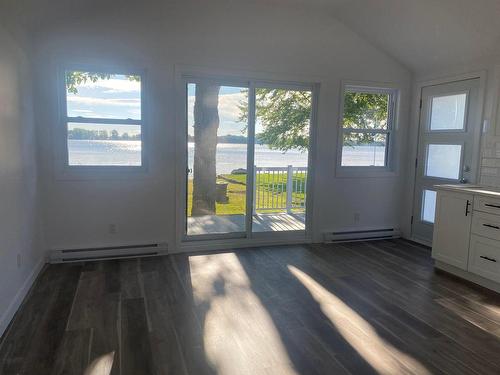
238, 331
381, 355
101, 365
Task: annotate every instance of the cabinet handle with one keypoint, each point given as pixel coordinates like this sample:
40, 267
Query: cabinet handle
492, 205
487, 258
467, 207
491, 226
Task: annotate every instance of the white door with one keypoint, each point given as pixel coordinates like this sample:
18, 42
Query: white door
448, 140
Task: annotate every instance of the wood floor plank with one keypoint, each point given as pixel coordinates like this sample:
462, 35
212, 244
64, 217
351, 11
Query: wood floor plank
136, 357
358, 308
48, 335
73, 355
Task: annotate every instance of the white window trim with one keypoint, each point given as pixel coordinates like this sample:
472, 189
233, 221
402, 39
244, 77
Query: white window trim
66, 171
389, 169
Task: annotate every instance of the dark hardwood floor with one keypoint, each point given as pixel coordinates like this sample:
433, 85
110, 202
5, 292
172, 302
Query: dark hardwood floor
358, 308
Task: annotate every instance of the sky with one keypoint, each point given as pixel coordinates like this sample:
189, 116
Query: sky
229, 100
120, 98
114, 98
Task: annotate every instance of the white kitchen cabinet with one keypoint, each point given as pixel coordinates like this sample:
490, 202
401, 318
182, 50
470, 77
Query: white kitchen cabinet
452, 228
466, 238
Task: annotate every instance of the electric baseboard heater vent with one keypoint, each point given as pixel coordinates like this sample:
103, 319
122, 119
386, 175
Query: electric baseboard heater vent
362, 235
108, 252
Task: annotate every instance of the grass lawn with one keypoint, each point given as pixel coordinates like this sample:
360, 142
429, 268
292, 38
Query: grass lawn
236, 191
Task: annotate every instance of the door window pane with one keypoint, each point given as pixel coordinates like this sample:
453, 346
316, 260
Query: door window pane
428, 206
217, 131
281, 159
443, 161
448, 112
364, 149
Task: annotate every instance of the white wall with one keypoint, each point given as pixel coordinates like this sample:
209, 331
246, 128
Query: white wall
272, 40
19, 226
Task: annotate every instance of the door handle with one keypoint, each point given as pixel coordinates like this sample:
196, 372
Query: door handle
467, 208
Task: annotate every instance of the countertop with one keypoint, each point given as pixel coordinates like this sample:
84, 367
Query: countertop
471, 189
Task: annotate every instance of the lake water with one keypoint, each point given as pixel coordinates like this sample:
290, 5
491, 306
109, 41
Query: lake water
229, 156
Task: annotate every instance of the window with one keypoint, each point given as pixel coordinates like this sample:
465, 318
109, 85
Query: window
367, 126
448, 112
103, 119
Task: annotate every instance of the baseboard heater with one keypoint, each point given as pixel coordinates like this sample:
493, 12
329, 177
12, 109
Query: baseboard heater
362, 235
107, 252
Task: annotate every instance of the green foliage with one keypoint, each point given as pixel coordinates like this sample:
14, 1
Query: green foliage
285, 118
76, 78
364, 111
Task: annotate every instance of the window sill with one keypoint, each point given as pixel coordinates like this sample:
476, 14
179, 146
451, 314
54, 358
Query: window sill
101, 173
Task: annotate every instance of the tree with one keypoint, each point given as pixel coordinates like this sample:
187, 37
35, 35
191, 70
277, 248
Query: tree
206, 124
364, 111
75, 78
285, 117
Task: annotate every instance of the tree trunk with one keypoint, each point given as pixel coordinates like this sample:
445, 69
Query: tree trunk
206, 124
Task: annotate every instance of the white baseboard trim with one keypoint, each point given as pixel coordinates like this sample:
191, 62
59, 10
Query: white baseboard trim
215, 245
20, 295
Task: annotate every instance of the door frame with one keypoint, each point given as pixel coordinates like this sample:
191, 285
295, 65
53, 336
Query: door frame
183, 73
414, 133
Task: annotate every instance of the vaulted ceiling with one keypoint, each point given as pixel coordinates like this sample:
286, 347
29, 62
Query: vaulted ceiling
426, 34
420, 34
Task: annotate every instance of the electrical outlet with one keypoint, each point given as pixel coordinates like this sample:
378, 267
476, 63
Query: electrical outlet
356, 217
112, 228
19, 261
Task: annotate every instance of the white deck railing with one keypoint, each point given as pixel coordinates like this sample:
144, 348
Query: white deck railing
280, 189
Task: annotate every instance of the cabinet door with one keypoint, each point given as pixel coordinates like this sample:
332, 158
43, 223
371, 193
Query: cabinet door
452, 228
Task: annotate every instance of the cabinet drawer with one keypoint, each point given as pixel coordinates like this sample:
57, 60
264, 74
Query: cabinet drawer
484, 257
487, 204
486, 225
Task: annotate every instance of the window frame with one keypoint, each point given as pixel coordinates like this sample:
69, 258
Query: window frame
101, 171
365, 170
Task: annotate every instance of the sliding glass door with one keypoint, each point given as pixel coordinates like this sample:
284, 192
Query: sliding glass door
247, 162
217, 129
281, 158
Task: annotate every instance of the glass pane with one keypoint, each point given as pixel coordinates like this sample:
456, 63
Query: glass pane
448, 112
428, 205
443, 161
104, 144
217, 158
364, 150
281, 159
99, 95
366, 110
